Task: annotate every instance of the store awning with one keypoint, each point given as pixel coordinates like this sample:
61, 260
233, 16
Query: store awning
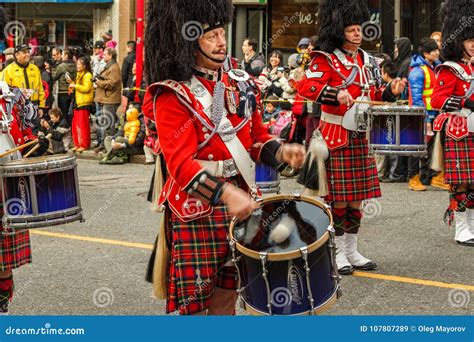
62, 1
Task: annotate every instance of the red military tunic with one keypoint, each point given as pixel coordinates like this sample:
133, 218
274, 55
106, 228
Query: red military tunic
352, 175
197, 231
450, 95
15, 250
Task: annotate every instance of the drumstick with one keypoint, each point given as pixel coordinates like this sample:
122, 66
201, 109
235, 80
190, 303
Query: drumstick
375, 103
29, 143
380, 103
31, 151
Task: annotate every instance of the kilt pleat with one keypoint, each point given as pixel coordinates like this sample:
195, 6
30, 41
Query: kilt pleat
459, 160
15, 250
199, 253
352, 174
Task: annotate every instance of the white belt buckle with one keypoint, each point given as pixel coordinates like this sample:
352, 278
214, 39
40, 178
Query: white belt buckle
229, 170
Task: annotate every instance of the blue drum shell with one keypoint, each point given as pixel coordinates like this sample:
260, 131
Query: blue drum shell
289, 294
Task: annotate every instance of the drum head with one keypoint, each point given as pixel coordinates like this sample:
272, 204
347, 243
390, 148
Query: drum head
281, 226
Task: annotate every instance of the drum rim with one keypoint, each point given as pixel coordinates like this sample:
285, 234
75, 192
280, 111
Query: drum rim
13, 166
288, 255
329, 303
386, 108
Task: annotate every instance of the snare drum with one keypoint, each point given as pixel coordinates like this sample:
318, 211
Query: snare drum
267, 179
397, 130
40, 192
285, 257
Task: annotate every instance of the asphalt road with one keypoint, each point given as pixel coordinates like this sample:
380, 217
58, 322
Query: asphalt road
98, 267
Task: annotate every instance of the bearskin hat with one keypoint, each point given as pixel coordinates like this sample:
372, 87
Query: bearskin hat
458, 26
3, 22
334, 16
172, 32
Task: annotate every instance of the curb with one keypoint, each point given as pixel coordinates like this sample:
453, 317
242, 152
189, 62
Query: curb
91, 155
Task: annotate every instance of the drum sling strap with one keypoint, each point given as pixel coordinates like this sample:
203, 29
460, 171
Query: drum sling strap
241, 157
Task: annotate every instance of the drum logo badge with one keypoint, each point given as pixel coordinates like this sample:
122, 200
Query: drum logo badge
390, 121
18, 206
295, 284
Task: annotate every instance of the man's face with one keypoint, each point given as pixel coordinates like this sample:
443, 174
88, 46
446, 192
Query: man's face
54, 118
64, 56
246, 48
214, 45
129, 48
23, 57
353, 34
56, 55
107, 57
469, 47
432, 57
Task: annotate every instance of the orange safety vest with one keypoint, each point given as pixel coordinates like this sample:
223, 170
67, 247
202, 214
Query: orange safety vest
430, 80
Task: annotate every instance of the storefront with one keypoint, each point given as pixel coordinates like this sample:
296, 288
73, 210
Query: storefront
44, 24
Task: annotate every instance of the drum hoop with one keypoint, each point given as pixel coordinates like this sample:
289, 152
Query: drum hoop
288, 255
400, 109
318, 310
17, 169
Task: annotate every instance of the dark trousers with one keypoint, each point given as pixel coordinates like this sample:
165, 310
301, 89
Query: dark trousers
421, 165
64, 103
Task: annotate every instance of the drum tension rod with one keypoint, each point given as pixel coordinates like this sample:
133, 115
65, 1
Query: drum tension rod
304, 254
263, 259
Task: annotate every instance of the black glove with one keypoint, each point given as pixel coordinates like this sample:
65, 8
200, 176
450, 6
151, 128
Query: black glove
469, 104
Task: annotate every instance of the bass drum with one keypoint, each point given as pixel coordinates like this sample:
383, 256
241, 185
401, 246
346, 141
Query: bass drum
285, 257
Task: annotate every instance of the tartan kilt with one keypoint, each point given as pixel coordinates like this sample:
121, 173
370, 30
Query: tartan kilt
459, 160
352, 174
198, 252
15, 250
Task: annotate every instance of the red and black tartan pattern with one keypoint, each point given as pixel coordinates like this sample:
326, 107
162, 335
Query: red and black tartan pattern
352, 174
459, 160
199, 251
15, 250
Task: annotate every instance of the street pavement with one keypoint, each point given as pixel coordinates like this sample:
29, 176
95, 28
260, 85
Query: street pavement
98, 267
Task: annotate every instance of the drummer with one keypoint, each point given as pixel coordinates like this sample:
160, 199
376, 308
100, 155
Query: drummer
202, 192
454, 96
15, 250
331, 81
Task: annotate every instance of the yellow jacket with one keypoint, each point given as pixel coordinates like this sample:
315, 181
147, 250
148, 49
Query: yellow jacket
14, 76
84, 89
132, 127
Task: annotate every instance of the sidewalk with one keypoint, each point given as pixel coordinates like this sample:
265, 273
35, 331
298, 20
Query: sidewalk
91, 155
